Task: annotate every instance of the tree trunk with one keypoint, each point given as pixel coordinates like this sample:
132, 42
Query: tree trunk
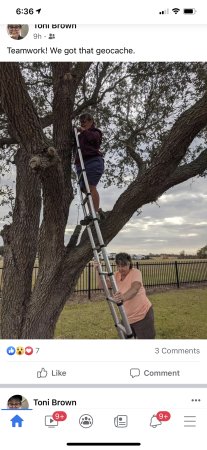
20, 239
49, 298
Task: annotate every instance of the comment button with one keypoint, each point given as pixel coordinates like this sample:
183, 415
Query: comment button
134, 372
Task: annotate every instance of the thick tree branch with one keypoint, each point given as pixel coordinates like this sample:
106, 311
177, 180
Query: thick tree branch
79, 71
135, 156
95, 98
27, 126
74, 238
186, 171
19, 108
64, 88
175, 146
7, 141
46, 121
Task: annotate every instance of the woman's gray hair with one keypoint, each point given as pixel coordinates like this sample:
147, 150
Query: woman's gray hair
124, 259
11, 25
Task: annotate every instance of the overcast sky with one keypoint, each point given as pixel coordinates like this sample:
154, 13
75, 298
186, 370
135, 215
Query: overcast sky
177, 222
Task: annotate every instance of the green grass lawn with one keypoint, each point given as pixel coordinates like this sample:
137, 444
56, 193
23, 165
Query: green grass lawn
179, 314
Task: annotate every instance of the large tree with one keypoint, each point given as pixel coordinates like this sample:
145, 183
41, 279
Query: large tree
154, 116
202, 253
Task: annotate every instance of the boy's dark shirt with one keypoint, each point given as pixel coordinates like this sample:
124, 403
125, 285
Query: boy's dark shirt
90, 141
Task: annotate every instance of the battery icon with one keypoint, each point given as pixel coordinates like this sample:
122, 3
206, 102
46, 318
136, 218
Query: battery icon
189, 11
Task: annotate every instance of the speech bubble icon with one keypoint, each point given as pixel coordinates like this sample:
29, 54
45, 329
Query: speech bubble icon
135, 372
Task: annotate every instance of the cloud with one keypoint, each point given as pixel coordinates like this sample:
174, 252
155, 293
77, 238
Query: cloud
200, 224
188, 235
155, 240
176, 222
186, 196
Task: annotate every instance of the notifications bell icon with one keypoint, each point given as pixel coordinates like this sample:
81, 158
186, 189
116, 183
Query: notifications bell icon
154, 422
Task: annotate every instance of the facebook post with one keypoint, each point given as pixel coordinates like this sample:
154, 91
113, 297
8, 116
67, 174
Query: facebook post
103, 197
103, 135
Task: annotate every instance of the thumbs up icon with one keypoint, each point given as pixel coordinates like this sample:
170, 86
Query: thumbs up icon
42, 373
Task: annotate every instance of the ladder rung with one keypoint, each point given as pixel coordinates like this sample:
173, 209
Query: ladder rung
81, 173
82, 170
85, 199
110, 274
110, 299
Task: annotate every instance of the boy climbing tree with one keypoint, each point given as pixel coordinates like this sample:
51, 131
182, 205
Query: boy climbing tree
90, 139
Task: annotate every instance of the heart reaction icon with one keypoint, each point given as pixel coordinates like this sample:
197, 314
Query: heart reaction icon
28, 350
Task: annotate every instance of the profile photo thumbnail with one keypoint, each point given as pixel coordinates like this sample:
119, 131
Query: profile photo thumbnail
17, 31
17, 401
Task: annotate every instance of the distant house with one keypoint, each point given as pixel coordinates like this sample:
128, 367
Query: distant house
136, 257
164, 256
112, 255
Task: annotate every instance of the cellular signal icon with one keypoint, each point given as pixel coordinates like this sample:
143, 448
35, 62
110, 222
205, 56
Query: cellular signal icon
176, 10
166, 11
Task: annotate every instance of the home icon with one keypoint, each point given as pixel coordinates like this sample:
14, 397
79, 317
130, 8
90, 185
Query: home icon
17, 420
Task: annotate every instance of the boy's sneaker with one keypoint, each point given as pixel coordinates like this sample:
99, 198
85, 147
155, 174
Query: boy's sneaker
88, 219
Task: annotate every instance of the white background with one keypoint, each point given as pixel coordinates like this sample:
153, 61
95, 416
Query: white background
107, 12
149, 43
105, 362
104, 405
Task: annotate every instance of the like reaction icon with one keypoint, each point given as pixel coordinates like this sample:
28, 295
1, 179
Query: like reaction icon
11, 350
42, 373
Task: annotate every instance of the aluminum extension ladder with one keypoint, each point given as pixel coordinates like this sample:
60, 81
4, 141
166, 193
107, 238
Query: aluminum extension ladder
122, 325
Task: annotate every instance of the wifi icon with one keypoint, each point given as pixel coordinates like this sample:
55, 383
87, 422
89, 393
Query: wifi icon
176, 10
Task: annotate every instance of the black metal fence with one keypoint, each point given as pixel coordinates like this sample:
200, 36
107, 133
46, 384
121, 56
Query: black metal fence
154, 274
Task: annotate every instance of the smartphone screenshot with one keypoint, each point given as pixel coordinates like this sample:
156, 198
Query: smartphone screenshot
103, 251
